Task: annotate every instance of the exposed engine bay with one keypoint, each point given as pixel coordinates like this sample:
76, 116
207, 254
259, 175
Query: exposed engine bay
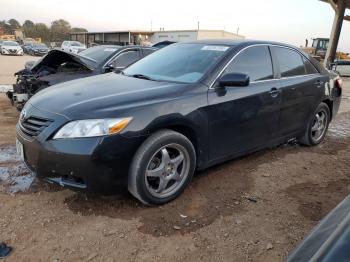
56, 67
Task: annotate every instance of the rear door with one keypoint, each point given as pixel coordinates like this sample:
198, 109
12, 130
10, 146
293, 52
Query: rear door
300, 86
244, 118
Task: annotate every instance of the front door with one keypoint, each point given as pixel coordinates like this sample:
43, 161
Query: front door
244, 118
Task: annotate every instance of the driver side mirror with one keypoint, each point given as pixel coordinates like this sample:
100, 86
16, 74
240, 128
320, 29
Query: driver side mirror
234, 79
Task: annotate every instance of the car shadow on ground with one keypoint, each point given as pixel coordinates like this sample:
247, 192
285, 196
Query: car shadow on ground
216, 192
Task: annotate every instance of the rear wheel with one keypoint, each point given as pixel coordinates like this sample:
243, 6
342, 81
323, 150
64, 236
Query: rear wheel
162, 168
317, 126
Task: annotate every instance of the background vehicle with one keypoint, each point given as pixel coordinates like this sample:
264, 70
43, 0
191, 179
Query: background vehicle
329, 240
163, 44
11, 48
342, 67
26, 47
38, 49
73, 47
319, 48
187, 106
59, 66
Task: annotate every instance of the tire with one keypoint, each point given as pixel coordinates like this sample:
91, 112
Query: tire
156, 175
311, 137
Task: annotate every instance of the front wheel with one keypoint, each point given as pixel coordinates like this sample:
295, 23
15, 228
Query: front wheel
317, 126
162, 168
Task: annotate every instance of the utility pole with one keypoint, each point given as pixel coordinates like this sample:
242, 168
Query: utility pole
198, 25
339, 9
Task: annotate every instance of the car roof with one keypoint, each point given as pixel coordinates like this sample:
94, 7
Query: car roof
238, 42
136, 46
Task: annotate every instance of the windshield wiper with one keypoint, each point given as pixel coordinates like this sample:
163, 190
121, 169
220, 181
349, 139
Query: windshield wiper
141, 76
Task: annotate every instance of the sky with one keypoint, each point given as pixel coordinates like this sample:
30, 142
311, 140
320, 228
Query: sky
289, 21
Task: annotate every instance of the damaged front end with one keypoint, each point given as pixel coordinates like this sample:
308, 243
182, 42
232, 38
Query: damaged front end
56, 67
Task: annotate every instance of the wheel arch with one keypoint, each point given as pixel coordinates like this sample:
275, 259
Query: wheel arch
329, 103
195, 132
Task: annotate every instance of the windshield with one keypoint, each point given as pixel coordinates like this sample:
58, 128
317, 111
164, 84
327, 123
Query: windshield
76, 44
40, 46
99, 53
10, 43
185, 63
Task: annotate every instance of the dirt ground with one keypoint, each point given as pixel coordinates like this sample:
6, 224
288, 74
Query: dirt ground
11, 64
256, 208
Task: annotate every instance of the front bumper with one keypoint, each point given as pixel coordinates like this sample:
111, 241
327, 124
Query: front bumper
11, 52
98, 164
40, 53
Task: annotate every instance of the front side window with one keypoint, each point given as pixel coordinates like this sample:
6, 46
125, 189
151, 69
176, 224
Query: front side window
184, 63
290, 62
254, 61
74, 43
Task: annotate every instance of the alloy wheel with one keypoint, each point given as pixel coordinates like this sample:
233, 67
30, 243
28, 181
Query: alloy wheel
319, 125
167, 170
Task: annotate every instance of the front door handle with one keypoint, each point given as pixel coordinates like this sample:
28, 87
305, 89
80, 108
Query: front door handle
274, 92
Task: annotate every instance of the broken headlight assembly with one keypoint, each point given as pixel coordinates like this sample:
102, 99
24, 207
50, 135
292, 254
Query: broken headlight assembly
92, 128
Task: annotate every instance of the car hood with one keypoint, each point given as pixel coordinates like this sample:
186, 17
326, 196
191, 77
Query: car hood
103, 96
11, 47
41, 48
55, 58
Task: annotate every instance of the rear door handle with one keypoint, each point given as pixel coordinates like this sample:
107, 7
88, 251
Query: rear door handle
274, 92
319, 83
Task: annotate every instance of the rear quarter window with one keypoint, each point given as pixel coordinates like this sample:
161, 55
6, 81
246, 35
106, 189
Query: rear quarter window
309, 68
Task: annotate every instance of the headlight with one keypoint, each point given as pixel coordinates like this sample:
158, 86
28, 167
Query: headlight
92, 127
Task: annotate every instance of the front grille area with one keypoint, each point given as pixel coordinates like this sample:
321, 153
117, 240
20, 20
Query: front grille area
34, 125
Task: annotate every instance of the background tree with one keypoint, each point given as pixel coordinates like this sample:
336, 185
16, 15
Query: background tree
78, 30
28, 28
60, 30
42, 31
14, 24
28, 23
6, 28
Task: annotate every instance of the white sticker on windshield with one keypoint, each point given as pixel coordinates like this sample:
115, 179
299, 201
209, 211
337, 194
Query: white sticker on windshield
219, 48
110, 49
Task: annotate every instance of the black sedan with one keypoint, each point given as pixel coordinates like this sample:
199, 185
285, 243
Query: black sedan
183, 108
59, 66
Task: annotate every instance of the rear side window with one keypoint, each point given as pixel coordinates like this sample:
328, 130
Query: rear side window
290, 62
254, 61
127, 58
310, 69
147, 51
